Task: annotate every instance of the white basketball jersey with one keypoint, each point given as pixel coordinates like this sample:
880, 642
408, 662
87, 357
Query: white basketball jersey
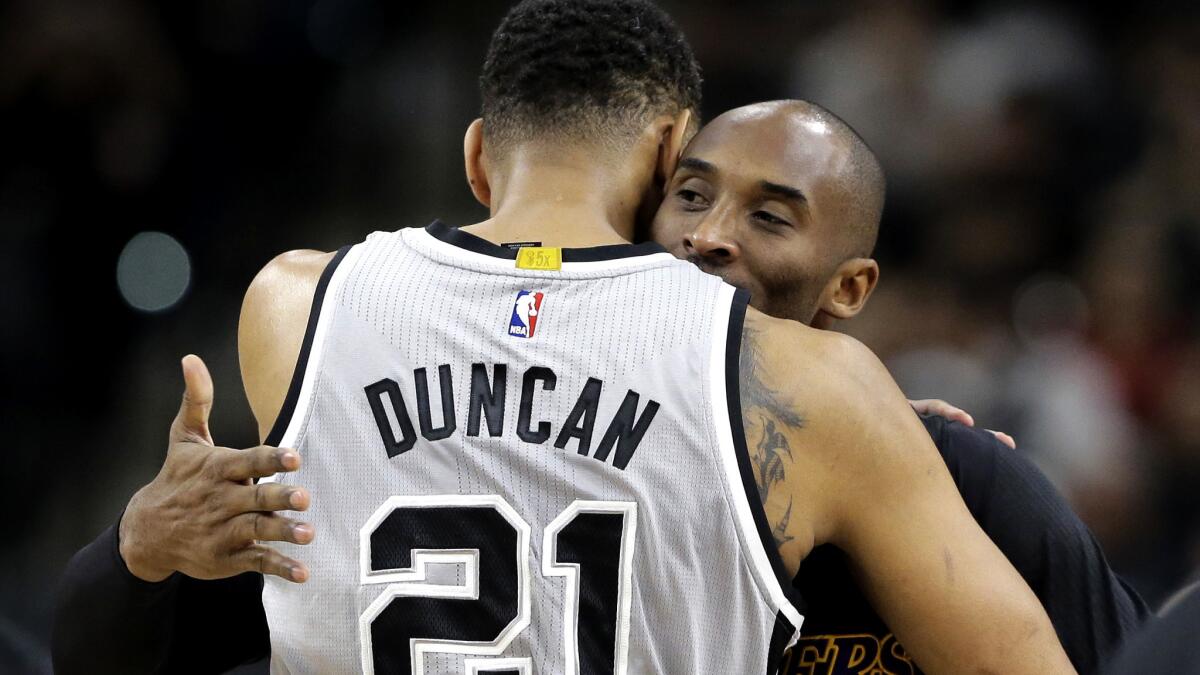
526, 465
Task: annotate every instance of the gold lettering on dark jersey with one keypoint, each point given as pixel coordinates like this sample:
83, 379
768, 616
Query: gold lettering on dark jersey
861, 654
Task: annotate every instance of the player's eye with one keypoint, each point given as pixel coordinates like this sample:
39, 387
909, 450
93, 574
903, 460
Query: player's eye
691, 197
768, 217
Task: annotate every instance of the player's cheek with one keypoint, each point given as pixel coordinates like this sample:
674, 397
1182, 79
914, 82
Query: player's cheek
669, 225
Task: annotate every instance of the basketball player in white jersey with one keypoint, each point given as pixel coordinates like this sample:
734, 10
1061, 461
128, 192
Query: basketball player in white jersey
575, 495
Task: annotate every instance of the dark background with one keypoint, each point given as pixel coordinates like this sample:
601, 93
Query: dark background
1039, 249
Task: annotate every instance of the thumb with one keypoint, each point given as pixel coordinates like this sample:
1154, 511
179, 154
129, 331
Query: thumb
191, 424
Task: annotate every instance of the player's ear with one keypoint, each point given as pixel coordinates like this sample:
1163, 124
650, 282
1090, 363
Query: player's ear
475, 160
674, 138
848, 289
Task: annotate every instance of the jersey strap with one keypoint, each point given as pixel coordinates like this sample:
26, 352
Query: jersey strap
750, 518
297, 394
783, 637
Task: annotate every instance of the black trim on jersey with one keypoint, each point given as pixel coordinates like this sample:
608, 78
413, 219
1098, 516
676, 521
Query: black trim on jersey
780, 636
470, 242
733, 350
293, 393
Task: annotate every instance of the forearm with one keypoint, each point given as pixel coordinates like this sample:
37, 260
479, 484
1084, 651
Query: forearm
106, 619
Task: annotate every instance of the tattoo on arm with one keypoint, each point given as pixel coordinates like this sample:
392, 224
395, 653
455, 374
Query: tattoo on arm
765, 417
779, 530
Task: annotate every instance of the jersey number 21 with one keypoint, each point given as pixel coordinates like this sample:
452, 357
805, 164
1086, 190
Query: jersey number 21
589, 545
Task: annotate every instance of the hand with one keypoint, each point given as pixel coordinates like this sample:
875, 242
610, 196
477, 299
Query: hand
935, 406
202, 515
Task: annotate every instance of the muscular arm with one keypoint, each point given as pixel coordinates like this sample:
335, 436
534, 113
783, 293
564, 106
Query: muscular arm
840, 458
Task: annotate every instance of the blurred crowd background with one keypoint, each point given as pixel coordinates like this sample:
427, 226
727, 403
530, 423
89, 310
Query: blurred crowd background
1040, 246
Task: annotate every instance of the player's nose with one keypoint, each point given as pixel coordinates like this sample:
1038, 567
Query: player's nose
713, 240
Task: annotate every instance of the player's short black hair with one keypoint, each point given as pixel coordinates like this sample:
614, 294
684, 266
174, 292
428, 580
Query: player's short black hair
584, 69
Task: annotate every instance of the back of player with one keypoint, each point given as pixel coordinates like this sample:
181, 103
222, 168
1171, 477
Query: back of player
523, 469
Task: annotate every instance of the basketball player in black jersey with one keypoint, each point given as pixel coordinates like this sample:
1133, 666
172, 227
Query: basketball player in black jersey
908, 539
784, 199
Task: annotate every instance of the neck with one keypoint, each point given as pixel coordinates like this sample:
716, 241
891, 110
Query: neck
570, 200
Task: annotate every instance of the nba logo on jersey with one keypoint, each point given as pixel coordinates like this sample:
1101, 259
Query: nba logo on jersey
525, 314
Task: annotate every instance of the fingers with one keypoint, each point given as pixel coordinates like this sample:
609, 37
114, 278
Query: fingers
251, 527
269, 497
1004, 438
958, 415
258, 462
266, 560
191, 424
933, 406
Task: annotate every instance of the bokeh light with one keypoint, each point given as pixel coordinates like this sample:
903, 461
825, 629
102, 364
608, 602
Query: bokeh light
153, 272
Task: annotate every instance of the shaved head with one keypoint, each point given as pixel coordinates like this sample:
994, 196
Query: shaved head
852, 164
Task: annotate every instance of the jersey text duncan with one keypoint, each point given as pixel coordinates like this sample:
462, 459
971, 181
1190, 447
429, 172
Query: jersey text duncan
486, 401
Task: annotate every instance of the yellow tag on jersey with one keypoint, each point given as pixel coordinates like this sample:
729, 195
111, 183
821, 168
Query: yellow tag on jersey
539, 258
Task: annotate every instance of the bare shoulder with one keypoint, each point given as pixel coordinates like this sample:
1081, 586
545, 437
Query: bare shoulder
292, 268
800, 372
281, 294
271, 328
794, 348
817, 372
